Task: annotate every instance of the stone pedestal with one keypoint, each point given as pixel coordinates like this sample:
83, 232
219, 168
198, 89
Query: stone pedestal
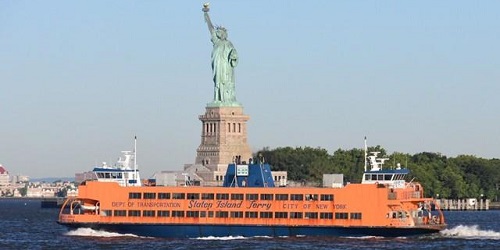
223, 137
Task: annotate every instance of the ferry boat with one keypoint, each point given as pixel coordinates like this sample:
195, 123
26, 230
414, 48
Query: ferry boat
249, 204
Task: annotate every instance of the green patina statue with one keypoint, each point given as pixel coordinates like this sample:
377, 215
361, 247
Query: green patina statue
224, 59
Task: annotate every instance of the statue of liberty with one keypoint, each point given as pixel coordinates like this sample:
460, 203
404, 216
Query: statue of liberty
224, 59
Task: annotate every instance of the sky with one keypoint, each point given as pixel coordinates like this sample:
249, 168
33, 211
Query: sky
80, 79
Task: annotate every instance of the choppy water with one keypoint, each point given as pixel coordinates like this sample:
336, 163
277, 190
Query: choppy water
24, 225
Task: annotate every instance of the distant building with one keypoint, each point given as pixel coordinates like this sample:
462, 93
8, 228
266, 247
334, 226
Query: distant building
280, 178
19, 178
174, 178
4, 176
39, 192
80, 177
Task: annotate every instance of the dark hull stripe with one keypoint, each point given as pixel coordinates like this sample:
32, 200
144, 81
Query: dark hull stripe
195, 231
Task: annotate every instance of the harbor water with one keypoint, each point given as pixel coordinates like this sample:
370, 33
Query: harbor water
25, 225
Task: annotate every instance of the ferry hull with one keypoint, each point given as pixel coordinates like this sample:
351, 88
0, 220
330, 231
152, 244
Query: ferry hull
196, 230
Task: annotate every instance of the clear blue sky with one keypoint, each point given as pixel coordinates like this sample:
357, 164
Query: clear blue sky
78, 79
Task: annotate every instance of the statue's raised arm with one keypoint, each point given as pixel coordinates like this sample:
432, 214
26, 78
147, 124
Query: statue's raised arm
207, 17
224, 59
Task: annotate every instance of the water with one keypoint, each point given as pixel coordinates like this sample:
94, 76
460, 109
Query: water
24, 225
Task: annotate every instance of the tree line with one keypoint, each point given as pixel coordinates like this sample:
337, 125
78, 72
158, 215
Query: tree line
464, 176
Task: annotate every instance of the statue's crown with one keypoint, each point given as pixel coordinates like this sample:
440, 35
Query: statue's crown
221, 28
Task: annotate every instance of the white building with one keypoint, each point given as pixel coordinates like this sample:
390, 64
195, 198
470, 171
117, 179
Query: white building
19, 178
4, 176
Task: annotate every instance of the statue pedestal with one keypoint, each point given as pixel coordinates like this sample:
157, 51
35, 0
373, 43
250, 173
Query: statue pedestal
223, 137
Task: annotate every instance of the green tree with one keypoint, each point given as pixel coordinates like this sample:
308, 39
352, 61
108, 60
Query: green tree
460, 177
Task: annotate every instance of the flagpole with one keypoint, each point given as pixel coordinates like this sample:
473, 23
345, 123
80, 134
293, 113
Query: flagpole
135, 158
366, 148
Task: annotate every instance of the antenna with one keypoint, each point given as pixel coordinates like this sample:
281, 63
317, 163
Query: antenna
366, 148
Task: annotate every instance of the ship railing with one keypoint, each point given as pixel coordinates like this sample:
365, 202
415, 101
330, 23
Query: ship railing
75, 206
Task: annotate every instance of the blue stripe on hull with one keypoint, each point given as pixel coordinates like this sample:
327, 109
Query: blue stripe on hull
195, 231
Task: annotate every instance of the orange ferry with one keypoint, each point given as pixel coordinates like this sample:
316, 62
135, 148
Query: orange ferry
248, 204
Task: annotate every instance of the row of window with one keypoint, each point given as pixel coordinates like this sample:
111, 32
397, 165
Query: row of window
384, 177
232, 214
219, 196
211, 127
109, 175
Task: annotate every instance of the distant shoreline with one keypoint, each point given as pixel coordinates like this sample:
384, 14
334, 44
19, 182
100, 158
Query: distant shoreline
52, 179
31, 198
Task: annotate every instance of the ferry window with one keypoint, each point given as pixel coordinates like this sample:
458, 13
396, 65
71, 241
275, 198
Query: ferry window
149, 195
266, 214
281, 197
193, 214
326, 216
266, 197
326, 197
310, 215
356, 216
380, 177
341, 216
236, 214
210, 214
296, 215
311, 197
222, 196
100, 175
252, 197
203, 214
177, 213
387, 177
134, 195
134, 213
251, 214
368, 177
206, 196
120, 213
193, 196
297, 197
106, 176
163, 196
106, 213
178, 196
221, 214
281, 215
237, 197
163, 213
148, 213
